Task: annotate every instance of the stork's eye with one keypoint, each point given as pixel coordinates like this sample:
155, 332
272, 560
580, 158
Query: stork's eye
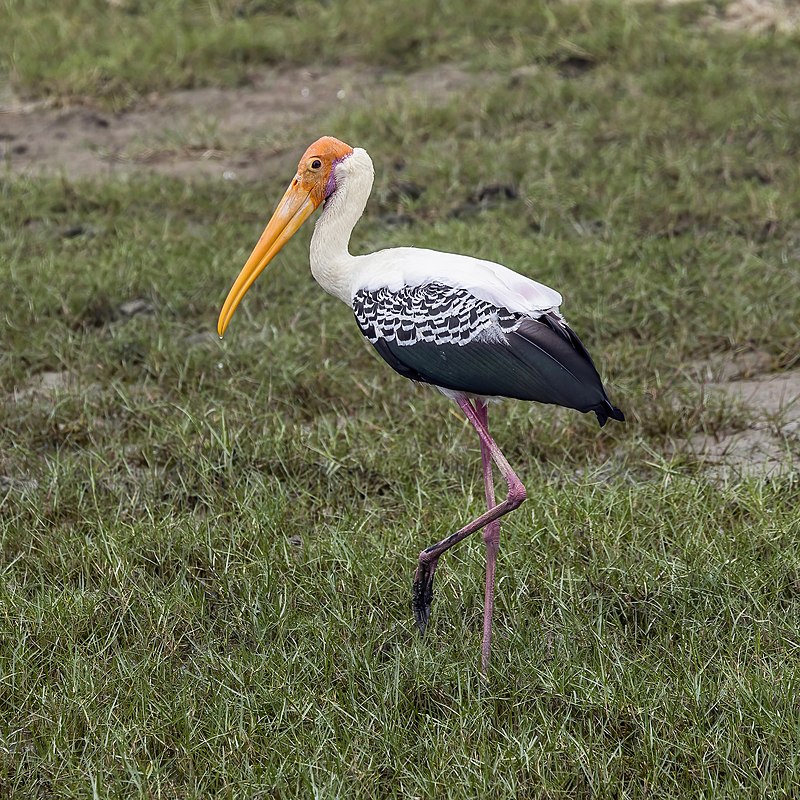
316, 164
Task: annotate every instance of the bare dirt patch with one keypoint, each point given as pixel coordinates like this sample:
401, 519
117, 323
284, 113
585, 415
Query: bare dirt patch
756, 17
770, 445
44, 385
218, 133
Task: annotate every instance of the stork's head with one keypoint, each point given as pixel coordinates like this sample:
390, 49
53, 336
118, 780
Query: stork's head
314, 182
316, 172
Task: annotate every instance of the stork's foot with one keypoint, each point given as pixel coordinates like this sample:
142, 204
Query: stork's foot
422, 593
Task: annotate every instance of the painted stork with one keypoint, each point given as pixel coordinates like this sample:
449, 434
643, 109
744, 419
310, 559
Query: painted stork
473, 329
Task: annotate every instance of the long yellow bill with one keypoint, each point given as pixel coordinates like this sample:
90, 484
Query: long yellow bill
296, 206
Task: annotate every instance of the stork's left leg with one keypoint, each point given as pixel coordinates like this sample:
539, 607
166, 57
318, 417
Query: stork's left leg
491, 536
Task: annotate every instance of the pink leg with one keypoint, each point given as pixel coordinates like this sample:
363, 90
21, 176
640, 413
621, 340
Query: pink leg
428, 558
491, 536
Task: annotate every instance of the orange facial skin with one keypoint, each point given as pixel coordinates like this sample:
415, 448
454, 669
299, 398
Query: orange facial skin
315, 180
311, 185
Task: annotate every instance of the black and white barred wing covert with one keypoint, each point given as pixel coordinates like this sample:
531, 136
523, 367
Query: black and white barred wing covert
447, 337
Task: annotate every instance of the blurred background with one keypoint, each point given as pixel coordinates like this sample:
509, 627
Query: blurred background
207, 546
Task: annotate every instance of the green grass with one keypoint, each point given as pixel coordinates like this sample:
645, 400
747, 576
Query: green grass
207, 548
114, 52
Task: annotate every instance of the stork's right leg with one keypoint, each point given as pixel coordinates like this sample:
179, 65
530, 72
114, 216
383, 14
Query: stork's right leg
428, 558
491, 537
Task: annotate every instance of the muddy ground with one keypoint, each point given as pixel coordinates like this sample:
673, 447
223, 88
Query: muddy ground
771, 401
229, 134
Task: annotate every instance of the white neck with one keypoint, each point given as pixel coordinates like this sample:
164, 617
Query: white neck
331, 263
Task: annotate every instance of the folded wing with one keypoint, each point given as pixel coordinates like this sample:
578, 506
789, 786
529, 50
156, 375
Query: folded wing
448, 337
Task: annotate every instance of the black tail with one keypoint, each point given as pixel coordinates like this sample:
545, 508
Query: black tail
583, 367
606, 410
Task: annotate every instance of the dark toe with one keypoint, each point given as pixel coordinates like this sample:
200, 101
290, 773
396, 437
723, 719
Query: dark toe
422, 594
